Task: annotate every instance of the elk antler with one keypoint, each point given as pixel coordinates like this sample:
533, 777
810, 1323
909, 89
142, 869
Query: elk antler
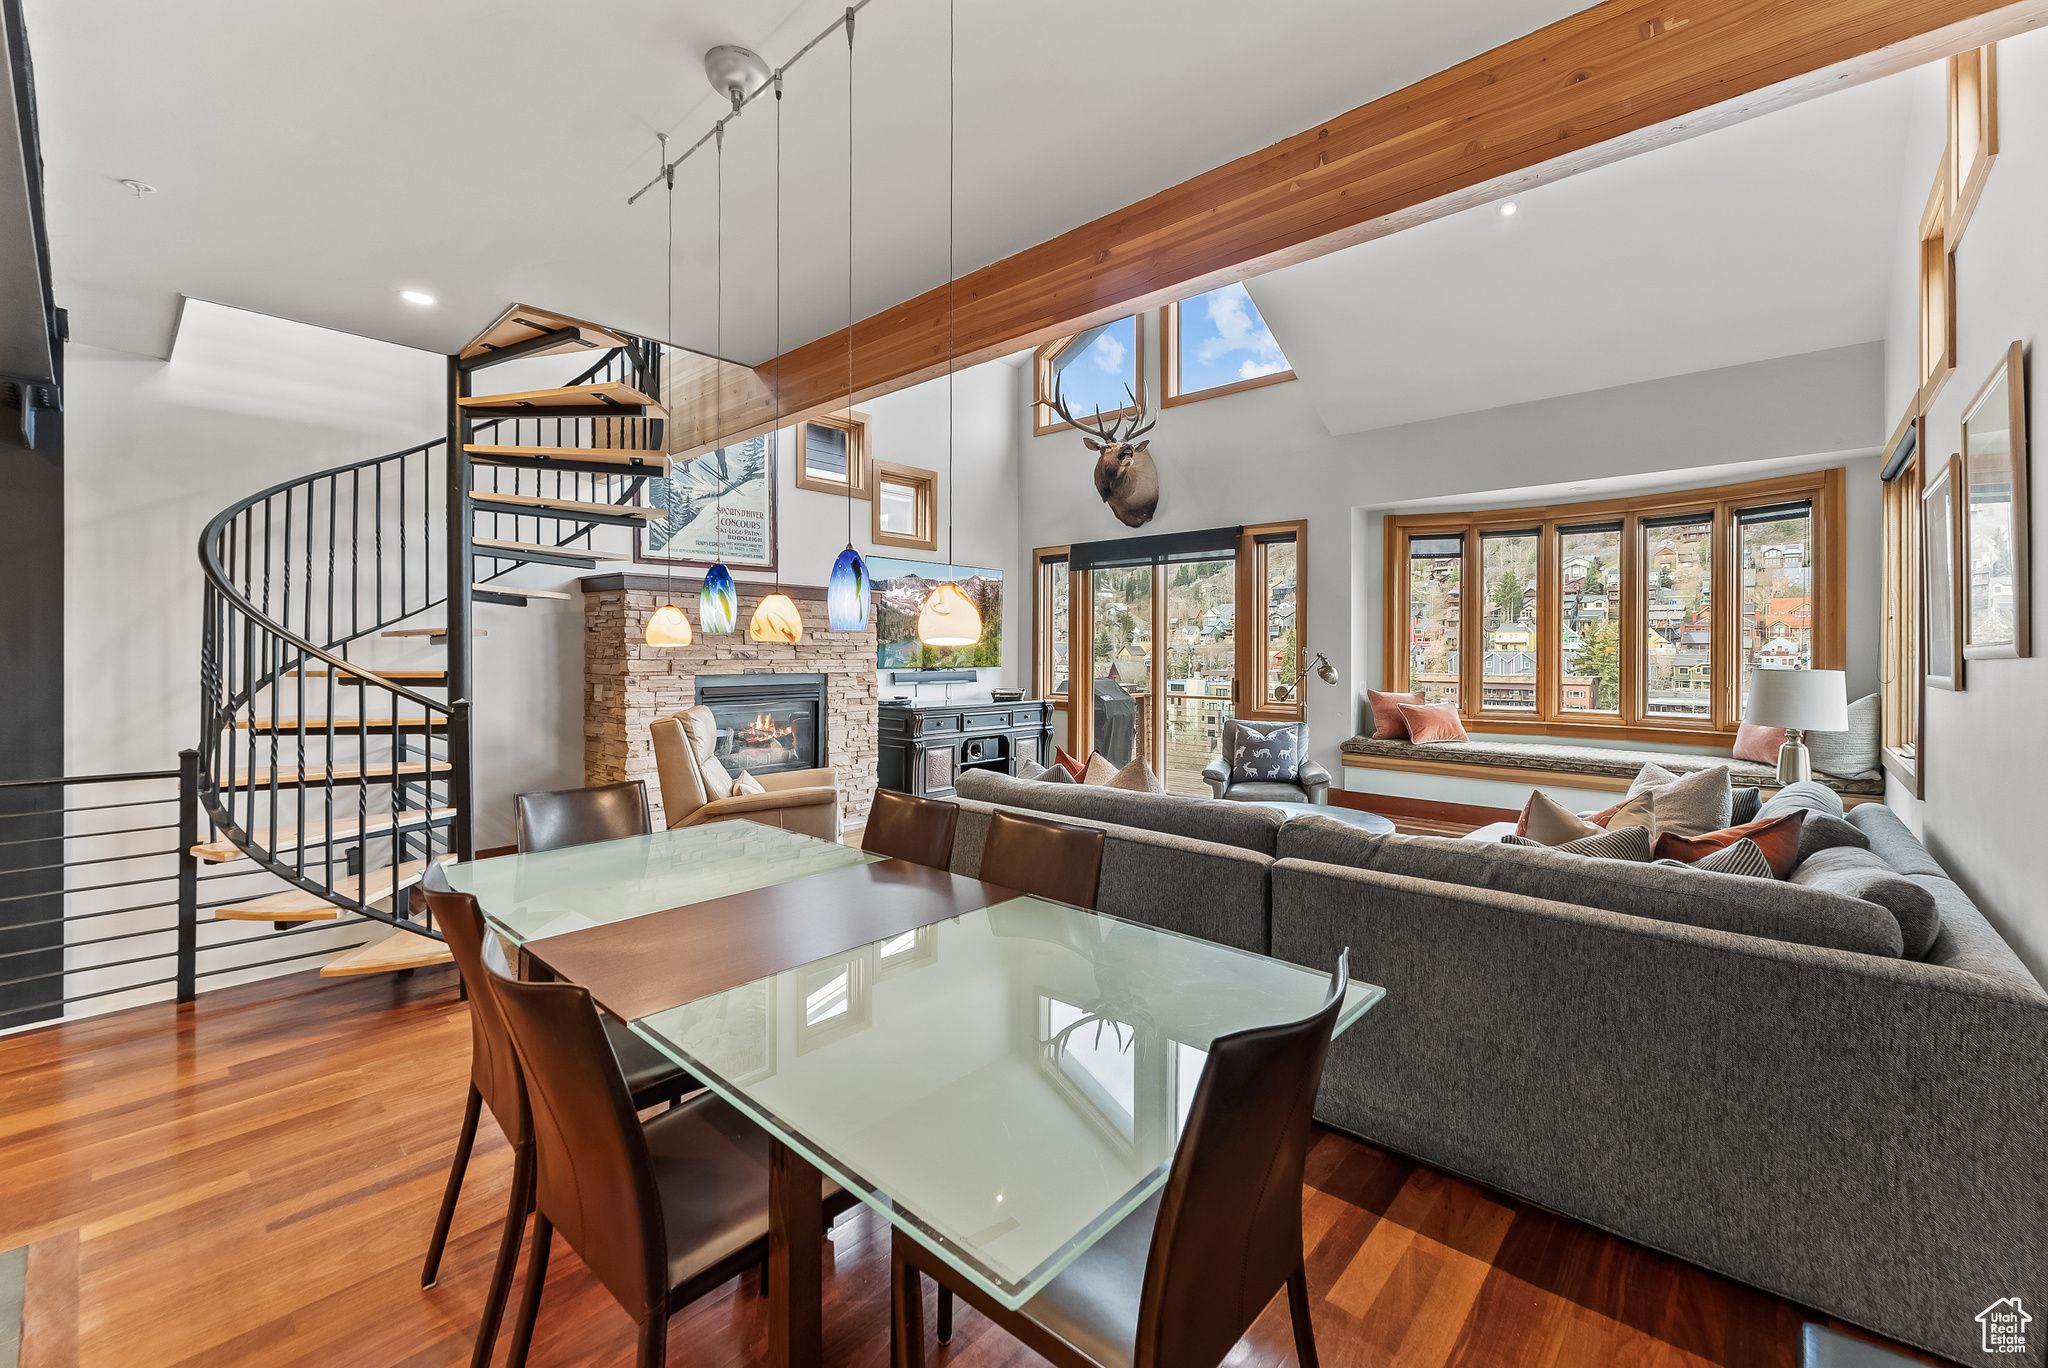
1108, 436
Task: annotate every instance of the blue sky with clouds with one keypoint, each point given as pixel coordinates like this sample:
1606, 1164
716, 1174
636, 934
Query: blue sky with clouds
1223, 340
1097, 376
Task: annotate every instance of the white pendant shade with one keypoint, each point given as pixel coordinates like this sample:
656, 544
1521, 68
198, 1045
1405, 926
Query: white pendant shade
776, 619
670, 626
948, 618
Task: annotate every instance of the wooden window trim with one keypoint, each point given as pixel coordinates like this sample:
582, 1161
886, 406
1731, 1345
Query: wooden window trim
1972, 83
1936, 264
854, 423
1253, 703
1827, 489
1042, 420
1902, 668
1171, 394
1043, 559
926, 483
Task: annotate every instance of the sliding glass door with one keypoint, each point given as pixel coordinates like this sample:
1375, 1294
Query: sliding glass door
1200, 668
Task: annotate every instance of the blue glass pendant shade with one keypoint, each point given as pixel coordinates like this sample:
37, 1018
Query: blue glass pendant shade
846, 599
718, 606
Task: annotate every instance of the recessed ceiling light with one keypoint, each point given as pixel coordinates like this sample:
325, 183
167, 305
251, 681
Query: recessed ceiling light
1508, 210
415, 296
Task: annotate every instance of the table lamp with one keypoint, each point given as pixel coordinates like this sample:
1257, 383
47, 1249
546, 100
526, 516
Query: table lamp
1800, 701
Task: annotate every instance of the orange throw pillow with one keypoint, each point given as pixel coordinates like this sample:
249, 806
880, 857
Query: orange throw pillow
1759, 744
1601, 818
1432, 722
1073, 767
1386, 714
1776, 837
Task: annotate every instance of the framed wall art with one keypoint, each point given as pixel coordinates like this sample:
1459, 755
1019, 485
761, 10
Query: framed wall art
1996, 612
720, 507
1941, 541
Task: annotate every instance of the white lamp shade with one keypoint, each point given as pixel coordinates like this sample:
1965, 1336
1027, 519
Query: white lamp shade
1810, 700
948, 618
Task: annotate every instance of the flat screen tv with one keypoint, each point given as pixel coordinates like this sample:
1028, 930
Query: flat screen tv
900, 587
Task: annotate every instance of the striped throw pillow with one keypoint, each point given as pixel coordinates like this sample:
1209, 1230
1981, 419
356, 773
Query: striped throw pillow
1745, 857
1626, 843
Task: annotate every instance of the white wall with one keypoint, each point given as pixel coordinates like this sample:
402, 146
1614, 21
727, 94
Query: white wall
1986, 748
1264, 455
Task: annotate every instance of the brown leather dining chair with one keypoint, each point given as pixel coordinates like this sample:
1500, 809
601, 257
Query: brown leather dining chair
494, 1081
661, 1212
1178, 1282
1054, 860
555, 818
903, 827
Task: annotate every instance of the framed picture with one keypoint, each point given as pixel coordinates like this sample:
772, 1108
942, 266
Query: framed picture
720, 507
900, 587
1941, 540
1997, 615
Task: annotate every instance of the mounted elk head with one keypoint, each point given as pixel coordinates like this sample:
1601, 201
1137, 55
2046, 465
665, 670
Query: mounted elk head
1124, 474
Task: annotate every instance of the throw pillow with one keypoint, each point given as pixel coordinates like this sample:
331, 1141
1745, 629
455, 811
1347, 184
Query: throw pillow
1136, 777
1099, 771
745, 785
1432, 722
1741, 858
1626, 843
1057, 774
1028, 770
1272, 756
1689, 805
1387, 722
1743, 804
1777, 837
1850, 754
1758, 744
1544, 821
1074, 768
1861, 874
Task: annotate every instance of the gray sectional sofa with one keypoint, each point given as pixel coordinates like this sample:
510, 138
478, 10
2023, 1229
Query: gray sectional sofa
1777, 1094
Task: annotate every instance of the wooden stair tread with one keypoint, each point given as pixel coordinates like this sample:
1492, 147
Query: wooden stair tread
519, 324
428, 632
566, 507
399, 950
522, 593
581, 552
626, 458
292, 775
599, 399
296, 904
227, 852
341, 724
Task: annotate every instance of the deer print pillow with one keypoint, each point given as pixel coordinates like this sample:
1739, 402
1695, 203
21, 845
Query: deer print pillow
1274, 757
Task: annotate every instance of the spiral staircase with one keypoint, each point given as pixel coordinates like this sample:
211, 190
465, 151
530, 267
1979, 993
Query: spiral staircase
346, 781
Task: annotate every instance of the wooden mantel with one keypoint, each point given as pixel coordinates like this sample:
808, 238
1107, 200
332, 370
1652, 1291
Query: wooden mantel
1611, 81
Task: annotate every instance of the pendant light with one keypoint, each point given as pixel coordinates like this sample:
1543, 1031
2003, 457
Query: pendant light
669, 626
718, 606
847, 594
776, 617
949, 617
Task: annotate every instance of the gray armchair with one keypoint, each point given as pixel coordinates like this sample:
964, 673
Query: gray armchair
1314, 780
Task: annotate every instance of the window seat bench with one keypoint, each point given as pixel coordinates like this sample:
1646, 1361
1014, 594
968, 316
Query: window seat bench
1506, 770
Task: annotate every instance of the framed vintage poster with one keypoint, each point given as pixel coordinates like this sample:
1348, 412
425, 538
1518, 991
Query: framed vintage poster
721, 507
1941, 541
1996, 614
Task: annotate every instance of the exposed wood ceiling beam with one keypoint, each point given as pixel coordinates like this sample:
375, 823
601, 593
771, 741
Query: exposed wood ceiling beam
1606, 83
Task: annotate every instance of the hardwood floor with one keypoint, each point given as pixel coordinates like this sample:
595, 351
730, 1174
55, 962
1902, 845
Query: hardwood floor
251, 1180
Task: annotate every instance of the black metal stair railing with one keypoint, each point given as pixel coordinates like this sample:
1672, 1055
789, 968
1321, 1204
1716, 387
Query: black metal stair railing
337, 779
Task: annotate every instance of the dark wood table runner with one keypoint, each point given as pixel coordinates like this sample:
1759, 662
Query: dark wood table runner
648, 964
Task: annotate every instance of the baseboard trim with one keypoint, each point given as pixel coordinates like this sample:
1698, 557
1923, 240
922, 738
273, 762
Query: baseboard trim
1390, 805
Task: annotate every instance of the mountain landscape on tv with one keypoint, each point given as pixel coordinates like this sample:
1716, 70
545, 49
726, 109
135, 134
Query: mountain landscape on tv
900, 589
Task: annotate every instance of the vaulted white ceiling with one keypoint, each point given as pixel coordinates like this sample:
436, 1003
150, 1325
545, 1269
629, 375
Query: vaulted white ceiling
314, 159
1767, 239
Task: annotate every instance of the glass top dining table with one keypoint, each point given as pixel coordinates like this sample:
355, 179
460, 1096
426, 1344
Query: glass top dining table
554, 892
1004, 1085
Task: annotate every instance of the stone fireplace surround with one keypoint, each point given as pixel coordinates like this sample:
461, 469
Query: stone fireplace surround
627, 684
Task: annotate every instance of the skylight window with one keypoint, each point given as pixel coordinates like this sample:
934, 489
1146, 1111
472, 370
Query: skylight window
1097, 368
1216, 343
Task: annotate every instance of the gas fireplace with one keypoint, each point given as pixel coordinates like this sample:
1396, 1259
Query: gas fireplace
767, 723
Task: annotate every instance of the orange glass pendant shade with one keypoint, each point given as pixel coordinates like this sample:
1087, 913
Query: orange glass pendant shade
777, 619
948, 618
670, 626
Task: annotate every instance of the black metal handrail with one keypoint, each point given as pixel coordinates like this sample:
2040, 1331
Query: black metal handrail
298, 572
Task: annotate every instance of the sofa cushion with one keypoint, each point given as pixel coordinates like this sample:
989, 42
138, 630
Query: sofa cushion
1136, 777
1244, 825
1544, 821
1892, 841
1744, 859
1691, 805
1850, 754
1743, 804
1825, 828
1750, 907
1387, 722
1810, 794
1195, 888
1622, 843
1777, 837
1432, 723
1100, 771
1858, 873
1268, 752
1553, 758
1758, 744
